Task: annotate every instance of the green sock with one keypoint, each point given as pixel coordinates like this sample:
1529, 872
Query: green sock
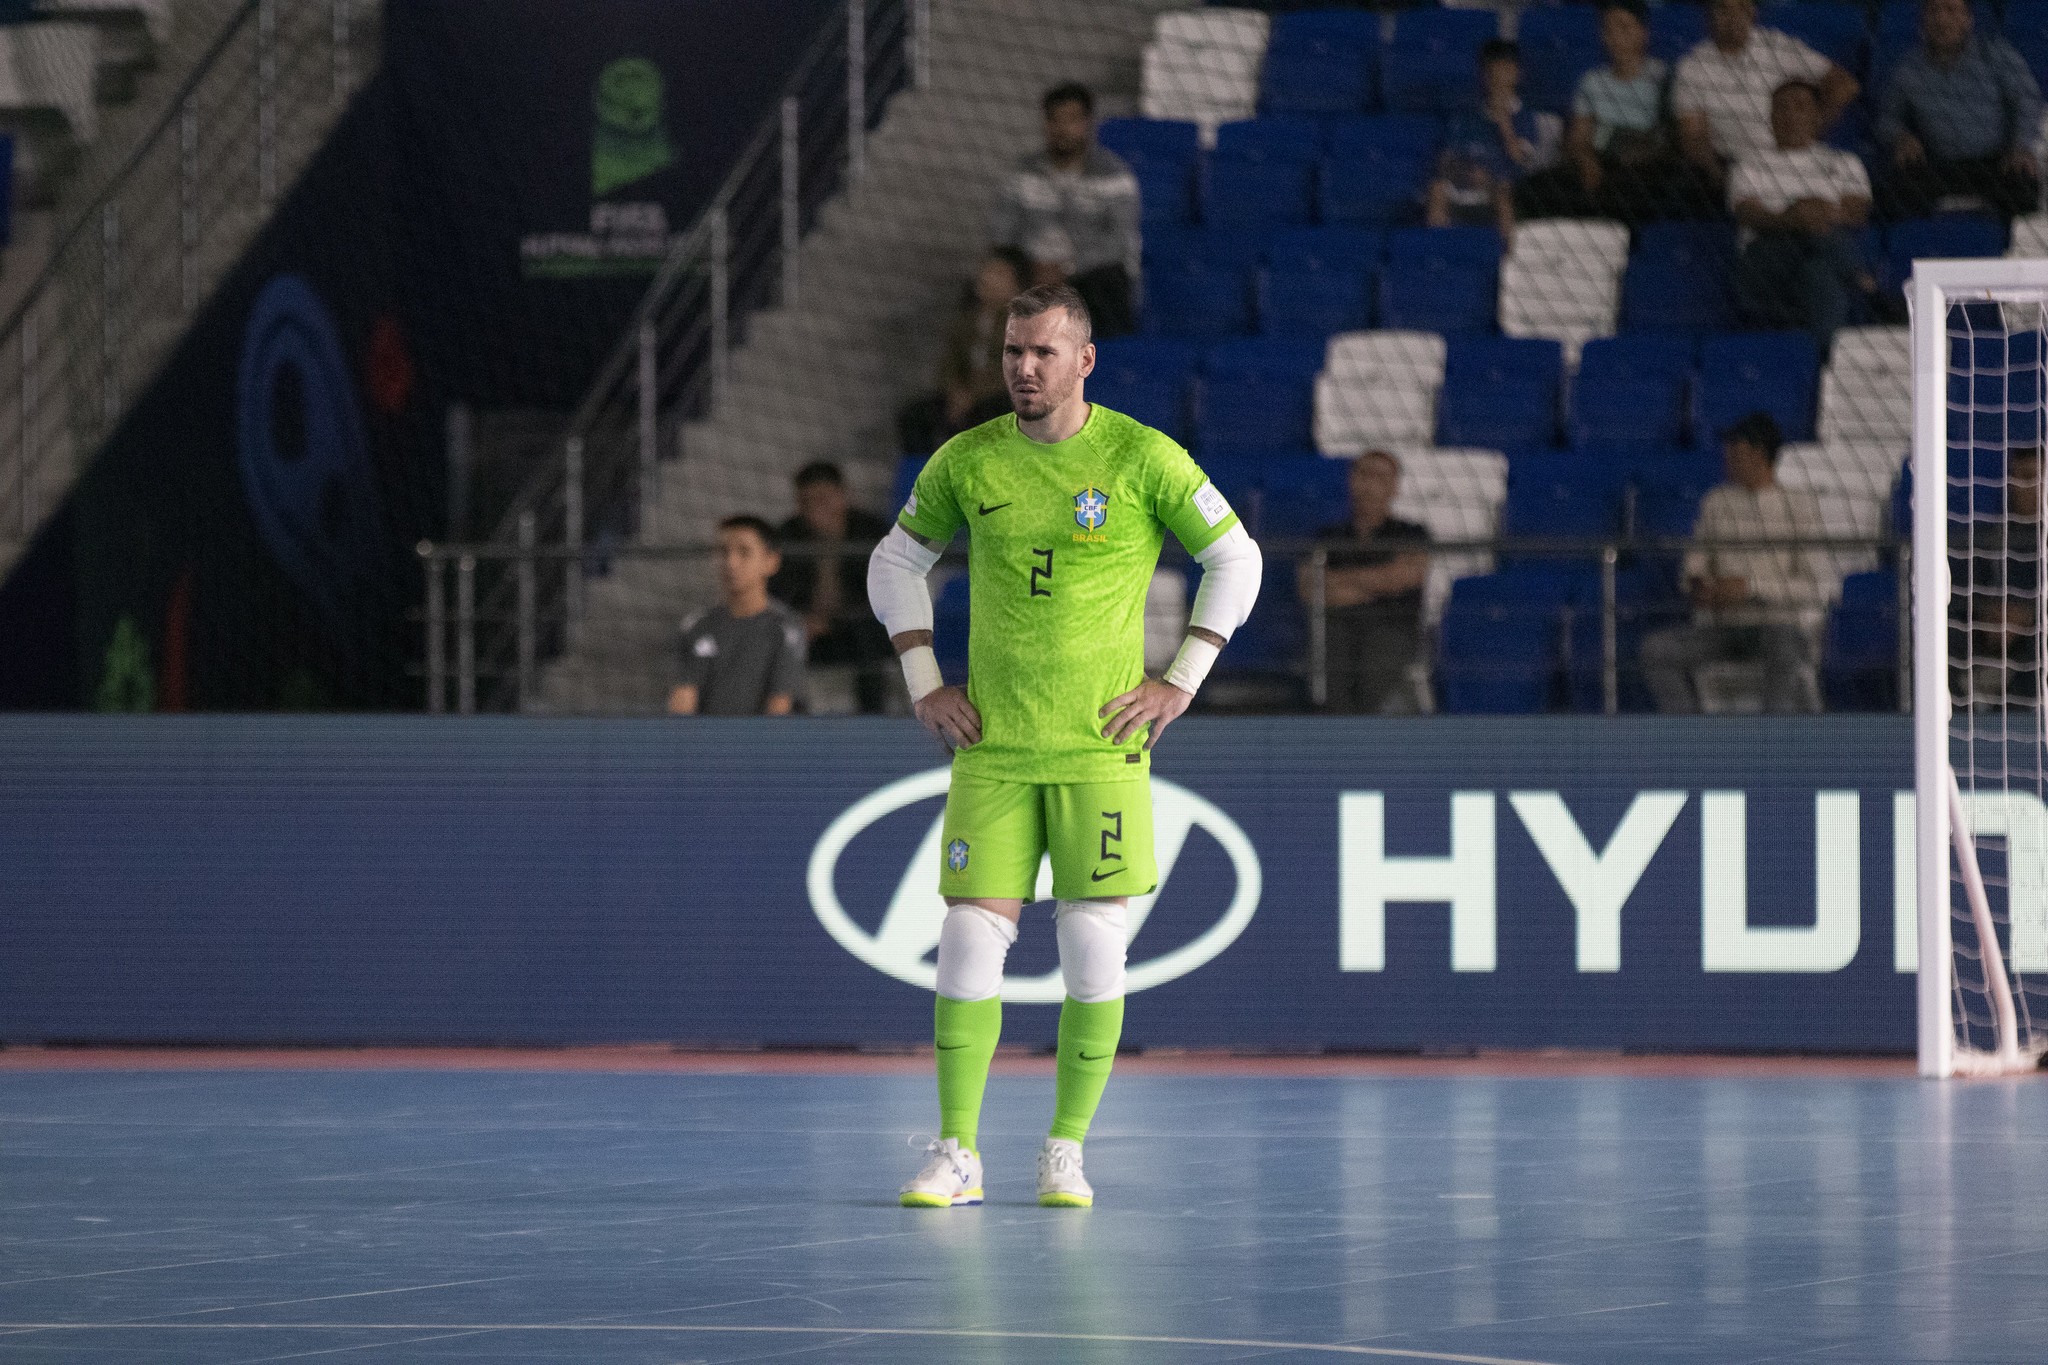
965, 1032
1088, 1035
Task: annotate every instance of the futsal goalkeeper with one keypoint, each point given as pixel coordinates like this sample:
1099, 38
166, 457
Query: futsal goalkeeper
1066, 505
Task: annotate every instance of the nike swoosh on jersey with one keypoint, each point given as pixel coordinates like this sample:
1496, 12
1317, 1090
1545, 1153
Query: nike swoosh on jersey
984, 509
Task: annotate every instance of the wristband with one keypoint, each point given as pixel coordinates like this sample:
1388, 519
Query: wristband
921, 672
1192, 664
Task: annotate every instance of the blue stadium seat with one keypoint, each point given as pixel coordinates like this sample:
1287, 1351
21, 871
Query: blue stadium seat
907, 470
1668, 487
1240, 478
1499, 392
1431, 64
1304, 492
1630, 393
2026, 26
1498, 646
1742, 372
1325, 248
1680, 278
1255, 395
1839, 32
949, 625
1952, 235
1163, 155
1859, 668
1675, 29
1294, 301
1220, 248
1559, 43
1261, 172
1375, 166
1147, 378
1557, 493
1189, 297
1440, 279
1322, 62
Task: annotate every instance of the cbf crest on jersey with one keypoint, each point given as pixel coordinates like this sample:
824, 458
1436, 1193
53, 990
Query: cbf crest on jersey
1091, 508
956, 855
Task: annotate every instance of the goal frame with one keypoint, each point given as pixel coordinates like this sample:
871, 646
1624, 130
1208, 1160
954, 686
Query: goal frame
1935, 284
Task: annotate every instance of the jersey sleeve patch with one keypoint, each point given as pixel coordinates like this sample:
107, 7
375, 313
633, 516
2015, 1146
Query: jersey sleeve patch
910, 505
1213, 506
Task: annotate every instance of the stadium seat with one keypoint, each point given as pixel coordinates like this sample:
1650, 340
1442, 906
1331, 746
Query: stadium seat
1559, 43
1303, 494
1498, 646
2026, 26
1300, 301
1191, 297
907, 470
1499, 392
1563, 280
1949, 236
1860, 657
2029, 236
1202, 66
1853, 505
1431, 64
949, 624
1440, 279
1375, 166
1147, 378
1163, 154
1675, 29
1668, 487
1630, 393
1555, 493
1866, 391
1457, 494
1322, 62
1254, 395
1839, 32
1744, 372
1378, 389
1260, 173
1680, 277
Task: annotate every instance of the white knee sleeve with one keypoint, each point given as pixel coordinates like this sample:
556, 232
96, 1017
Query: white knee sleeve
972, 945
1091, 935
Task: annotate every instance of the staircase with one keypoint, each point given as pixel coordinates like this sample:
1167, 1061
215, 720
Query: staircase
822, 376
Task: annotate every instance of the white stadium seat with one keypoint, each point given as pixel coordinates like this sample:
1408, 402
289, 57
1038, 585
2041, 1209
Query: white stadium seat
1202, 66
1378, 389
1457, 493
1853, 486
1866, 391
1563, 281
2029, 236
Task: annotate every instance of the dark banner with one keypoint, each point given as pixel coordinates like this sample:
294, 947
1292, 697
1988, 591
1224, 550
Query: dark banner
1639, 884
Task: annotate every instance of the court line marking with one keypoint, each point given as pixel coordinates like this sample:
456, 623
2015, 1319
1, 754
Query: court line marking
707, 1329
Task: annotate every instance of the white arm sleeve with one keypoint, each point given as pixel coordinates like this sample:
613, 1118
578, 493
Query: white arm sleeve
896, 587
1231, 570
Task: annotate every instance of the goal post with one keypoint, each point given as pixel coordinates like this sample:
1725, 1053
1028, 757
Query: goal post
1979, 759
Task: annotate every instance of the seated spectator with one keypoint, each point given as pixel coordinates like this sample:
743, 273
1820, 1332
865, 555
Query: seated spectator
2003, 604
746, 656
1798, 204
1372, 598
1761, 604
1073, 210
827, 588
971, 389
1488, 149
1722, 92
1620, 154
1957, 118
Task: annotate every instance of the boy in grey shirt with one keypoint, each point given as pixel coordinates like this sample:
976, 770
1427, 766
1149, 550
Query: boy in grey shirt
746, 657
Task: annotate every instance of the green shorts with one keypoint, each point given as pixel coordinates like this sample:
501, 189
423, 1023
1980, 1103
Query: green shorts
996, 833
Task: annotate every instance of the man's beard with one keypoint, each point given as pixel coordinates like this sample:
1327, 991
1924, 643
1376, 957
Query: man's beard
1037, 406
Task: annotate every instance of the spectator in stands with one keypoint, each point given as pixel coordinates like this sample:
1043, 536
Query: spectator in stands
971, 387
826, 585
1761, 605
1799, 204
1487, 150
1372, 598
1722, 92
2003, 604
1958, 117
1073, 210
1621, 159
746, 656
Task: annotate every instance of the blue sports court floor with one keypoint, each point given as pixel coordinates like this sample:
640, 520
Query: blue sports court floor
1427, 1213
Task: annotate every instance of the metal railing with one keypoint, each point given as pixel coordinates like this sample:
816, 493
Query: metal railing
457, 615
131, 270
674, 358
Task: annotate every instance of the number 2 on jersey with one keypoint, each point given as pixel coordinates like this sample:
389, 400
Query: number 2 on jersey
1042, 570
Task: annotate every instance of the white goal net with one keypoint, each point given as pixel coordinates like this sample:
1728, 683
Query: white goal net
1981, 762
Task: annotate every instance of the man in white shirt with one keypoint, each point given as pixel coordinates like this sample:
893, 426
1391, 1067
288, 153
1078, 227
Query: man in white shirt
1761, 604
1722, 92
1798, 203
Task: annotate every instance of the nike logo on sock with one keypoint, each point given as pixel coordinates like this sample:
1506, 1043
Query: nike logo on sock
985, 509
955, 1048
1095, 1057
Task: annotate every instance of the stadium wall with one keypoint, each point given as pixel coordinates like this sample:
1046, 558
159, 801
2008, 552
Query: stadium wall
1359, 884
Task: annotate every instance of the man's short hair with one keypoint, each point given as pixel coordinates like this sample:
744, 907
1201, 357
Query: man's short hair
2023, 455
1637, 8
747, 522
1808, 86
1499, 50
1070, 92
817, 472
1046, 297
1758, 429
1385, 456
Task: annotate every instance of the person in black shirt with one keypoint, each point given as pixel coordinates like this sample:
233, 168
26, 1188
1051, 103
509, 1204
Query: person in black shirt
1372, 597
827, 585
744, 657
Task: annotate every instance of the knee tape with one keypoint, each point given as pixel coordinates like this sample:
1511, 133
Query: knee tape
972, 945
1091, 935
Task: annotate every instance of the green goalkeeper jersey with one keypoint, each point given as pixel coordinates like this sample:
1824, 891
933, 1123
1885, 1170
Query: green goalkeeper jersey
1062, 543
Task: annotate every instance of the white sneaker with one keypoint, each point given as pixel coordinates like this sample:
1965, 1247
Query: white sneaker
951, 1175
1060, 1182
